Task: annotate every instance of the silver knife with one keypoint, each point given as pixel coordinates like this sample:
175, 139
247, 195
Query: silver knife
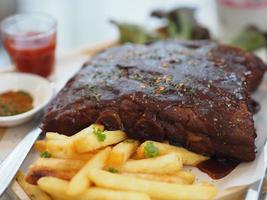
12, 163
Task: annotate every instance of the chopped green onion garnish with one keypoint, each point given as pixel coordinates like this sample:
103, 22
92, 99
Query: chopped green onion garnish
151, 150
45, 154
101, 136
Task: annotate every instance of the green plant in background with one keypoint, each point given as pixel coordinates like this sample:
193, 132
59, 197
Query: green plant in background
180, 23
134, 33
250, 39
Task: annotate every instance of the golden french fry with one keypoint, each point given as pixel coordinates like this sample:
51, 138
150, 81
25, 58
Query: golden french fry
61, 148
58, 163
61, 168
165, 164
83, 156
188, 157
122, 152
57, 188
55, 198
154, 189
55, 136
91, 142
88, 130
54, 186
172, 178
40, 145
107, 194
80, 182
204, 183
188, 177
58, 150
32, 191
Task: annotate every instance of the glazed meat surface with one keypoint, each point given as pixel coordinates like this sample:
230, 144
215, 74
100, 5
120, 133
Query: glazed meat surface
193, 94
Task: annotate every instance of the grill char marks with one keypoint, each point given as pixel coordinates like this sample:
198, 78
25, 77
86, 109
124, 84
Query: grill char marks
194, 94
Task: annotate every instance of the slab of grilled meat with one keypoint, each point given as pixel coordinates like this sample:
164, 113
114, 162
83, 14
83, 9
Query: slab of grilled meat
194, 94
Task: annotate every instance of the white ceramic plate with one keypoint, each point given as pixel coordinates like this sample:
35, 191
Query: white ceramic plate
39, 88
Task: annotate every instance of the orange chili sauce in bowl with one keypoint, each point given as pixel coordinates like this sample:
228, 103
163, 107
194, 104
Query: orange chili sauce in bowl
15, 102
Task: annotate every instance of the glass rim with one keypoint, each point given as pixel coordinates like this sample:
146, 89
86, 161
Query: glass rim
5, 22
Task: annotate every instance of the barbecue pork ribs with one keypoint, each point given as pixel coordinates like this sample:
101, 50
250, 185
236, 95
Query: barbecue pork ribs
193, 94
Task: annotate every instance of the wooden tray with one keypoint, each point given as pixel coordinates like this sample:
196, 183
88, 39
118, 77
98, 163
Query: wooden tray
67, 64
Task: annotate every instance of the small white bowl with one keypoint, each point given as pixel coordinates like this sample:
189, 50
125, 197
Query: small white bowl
39, 88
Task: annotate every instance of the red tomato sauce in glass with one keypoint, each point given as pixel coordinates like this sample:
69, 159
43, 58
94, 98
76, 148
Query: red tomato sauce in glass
32, 55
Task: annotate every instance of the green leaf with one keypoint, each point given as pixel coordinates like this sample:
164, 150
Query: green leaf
249, 40
45, 154
113, 170
181, 23
172, 29
151, 150
134, 33
101, 136
187, 23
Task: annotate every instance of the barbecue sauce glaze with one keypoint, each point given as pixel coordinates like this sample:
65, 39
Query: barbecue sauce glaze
217, 168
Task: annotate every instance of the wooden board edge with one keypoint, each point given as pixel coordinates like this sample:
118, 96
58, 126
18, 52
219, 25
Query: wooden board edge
16, 192
94, 48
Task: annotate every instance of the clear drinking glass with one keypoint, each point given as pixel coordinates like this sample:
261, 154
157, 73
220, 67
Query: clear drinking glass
30, 40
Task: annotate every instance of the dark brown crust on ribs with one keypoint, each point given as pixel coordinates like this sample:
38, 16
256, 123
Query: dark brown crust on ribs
194, 94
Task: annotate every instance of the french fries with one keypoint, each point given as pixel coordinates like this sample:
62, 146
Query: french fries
173, 178
32, 191
155, 189
61, 146
61, 168
57, 188
92, 142
95, 164
59, 164
55, 136
79, 183
122, 152
186, 176
107, 194
188, 157
88, 130
40, 146
54, 186
166, 164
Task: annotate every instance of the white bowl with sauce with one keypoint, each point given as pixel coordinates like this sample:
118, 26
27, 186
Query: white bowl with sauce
37, 87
